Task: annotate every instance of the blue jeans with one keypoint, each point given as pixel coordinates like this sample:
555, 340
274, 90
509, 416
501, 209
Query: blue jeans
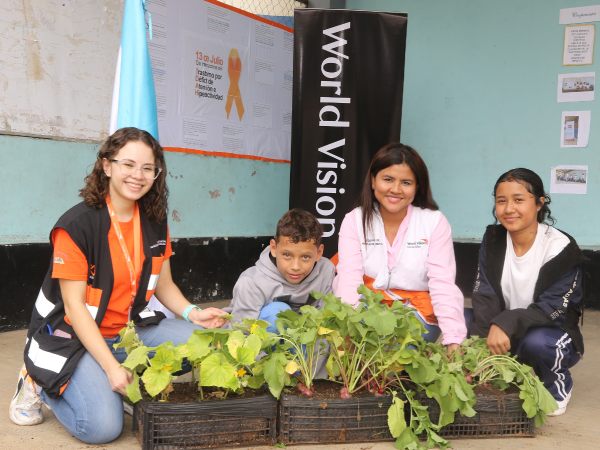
269, 314
433, 331
88, 408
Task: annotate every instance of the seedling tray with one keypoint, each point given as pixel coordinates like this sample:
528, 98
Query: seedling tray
310, 421
498, 416
208, 424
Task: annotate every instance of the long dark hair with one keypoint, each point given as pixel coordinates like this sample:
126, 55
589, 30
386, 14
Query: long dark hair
390, 155
154, 202
534, 185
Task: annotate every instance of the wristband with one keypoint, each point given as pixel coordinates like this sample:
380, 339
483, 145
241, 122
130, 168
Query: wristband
187, 310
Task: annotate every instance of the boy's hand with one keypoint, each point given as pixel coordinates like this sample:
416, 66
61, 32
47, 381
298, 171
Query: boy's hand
207, 318
498, 342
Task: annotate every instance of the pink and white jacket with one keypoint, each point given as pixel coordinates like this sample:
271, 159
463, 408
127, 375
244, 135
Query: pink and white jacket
446, 299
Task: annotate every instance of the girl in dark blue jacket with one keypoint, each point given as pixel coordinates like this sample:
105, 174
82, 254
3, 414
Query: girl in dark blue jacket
527, 295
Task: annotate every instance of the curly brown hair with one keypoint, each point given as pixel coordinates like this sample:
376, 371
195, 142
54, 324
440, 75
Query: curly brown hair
154, 202
299, 226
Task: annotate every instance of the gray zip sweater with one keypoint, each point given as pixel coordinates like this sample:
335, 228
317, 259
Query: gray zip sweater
263, 283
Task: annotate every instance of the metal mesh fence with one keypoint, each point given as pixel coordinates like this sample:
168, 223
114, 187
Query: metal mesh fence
280, 11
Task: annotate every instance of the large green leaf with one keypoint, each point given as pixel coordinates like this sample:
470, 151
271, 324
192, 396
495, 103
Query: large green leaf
215, 373
245, 356
156, 380
383, 322
308, 336
407, 440
256, 381
253, 342
133, 390
163, 359
198, 347
396, 421
273, 371
236, 339
137, 359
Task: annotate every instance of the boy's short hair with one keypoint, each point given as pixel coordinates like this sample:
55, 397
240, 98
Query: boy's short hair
299, 226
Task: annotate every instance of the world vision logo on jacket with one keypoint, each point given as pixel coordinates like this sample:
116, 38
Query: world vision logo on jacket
417, 244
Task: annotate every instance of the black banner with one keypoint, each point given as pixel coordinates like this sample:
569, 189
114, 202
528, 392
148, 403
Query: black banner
348, 81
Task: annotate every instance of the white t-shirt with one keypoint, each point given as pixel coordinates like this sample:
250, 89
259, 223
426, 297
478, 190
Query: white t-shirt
519, 274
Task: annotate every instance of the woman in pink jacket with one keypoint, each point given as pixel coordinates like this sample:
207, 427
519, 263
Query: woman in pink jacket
398, 242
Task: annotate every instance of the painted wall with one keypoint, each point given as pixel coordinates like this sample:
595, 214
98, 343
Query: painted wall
209, 196
480, 99
57, 66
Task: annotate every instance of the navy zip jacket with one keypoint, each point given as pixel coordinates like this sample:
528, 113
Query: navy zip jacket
556, 299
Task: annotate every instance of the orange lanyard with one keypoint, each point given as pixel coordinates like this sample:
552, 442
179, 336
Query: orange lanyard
137, 250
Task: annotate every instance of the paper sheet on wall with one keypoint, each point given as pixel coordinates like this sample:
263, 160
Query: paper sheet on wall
576, 87
568, 179
575, 129
579, 45
226, 80
582, 14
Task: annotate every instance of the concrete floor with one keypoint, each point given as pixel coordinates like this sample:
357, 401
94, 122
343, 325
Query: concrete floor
578, 429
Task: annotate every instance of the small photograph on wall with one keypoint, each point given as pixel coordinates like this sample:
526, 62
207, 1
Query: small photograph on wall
575, 129
576, 87
571, 130
568, 180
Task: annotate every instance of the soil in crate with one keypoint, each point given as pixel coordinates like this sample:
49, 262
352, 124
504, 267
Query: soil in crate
327, 418
241, 421
327, 390
188, 393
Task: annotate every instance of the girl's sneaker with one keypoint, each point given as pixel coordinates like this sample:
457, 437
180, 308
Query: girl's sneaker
26, 405
562, 406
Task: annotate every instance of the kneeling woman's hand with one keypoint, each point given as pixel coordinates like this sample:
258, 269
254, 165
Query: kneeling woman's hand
207, 318
498, 342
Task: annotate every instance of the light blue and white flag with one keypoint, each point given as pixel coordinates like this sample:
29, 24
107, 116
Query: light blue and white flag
134, 98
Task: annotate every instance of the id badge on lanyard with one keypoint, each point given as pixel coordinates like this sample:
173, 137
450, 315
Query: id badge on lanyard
137, 248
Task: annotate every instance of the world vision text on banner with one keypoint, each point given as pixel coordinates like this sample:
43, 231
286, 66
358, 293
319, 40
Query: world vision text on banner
349, 68
223, 80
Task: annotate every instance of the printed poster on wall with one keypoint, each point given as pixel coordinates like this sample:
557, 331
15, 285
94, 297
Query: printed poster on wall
223, 79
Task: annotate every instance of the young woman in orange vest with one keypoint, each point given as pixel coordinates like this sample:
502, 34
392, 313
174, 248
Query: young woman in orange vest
396, 241
111, 254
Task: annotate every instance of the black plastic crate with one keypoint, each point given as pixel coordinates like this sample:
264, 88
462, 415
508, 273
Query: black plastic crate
498, 416
306, 421
216, 423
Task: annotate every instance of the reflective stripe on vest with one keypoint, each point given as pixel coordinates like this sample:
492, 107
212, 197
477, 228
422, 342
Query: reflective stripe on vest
152, 282
93, 310
43, 305
45, 360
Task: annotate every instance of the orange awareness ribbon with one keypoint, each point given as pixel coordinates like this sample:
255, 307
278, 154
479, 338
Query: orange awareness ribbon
234, 69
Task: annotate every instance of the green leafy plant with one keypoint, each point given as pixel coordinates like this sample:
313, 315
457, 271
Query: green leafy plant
227, 359
301, 344
366, 342
157, 372
501, 371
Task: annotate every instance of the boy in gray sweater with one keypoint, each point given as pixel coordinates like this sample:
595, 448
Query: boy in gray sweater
286, 272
